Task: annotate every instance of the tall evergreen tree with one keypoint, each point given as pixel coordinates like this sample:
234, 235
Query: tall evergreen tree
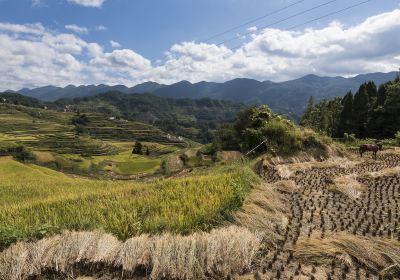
392, 110
381, 95
346, 116
306, 118
370, 87
360, 111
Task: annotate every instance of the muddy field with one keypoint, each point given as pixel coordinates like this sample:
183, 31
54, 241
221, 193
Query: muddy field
357, 199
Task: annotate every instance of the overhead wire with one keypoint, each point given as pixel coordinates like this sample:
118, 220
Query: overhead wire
250, 22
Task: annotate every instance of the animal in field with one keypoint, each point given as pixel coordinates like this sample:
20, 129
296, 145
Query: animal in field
374, 148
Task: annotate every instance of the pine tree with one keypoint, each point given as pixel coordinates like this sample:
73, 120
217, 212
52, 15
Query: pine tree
346, 116
371, 91
381, 95
392, 110
306, 119
360, 111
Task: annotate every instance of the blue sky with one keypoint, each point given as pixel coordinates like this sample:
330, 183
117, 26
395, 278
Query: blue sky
143, 31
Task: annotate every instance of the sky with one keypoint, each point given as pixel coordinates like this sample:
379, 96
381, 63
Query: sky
62, 42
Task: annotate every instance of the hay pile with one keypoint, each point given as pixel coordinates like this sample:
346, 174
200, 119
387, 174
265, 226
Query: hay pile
348, 185
387, 172
379, 255
262, 210
220, 253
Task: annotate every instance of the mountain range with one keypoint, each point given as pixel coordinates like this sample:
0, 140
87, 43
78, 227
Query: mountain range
289, 97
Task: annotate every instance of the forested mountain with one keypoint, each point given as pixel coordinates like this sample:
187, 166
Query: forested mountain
52, 93
18, 99
288, 97
371, 112
194, 119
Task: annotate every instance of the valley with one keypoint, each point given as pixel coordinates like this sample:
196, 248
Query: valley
88, 189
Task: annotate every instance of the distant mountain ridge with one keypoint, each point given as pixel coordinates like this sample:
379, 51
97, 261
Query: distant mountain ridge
288, 97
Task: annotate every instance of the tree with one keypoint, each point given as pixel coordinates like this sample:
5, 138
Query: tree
381, 95
79, 119
369, 113
345, 123
392, 110
137, 148
258, 130
360, 111
370, 87
309, 109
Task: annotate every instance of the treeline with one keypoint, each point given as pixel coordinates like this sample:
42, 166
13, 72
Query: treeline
372, 112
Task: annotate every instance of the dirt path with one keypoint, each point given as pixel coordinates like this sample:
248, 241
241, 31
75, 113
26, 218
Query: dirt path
316, 209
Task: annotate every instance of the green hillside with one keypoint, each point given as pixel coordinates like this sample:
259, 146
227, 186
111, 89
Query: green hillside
193, 119
103, 148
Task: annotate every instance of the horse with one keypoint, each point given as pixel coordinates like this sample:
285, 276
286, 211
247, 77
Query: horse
374, 148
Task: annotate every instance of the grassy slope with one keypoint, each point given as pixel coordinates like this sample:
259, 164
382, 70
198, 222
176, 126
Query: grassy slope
36, 201
47, 131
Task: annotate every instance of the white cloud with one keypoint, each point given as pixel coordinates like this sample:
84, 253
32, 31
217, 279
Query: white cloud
280, 55
32, 56
77, 29
35, 29
38, 3
88, 3
252, 29
115, 45
101, 28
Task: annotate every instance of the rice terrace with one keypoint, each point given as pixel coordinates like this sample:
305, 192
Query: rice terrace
185, 140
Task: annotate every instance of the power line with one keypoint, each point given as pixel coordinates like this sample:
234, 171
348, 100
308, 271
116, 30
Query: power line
279, 21
329, 14
324, 16
251, 21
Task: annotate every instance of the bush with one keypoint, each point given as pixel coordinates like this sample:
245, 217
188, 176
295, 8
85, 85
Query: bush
258, 130
18, 152
397, 137
349, 138
282, 137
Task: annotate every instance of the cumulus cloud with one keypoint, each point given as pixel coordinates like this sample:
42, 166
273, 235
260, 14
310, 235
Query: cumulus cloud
279, 55
88, 3
77, 29
33, 56
115, 45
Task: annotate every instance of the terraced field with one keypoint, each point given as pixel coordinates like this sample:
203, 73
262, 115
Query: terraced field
104, 149
336, 217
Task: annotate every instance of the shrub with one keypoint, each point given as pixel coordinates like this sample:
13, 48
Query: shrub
397, 137
350, 138
18, 152
259, 130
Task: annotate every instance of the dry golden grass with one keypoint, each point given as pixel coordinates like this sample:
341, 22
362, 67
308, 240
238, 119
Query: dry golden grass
261, 210
395, 171
379, 255
343, 162
221, 252
287, 186
288, 167
348, 185
44, 157
285, 171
